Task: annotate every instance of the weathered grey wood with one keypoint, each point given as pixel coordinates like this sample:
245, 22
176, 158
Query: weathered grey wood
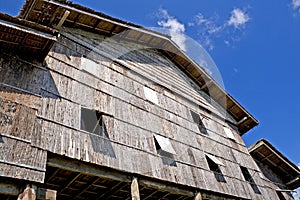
40, 111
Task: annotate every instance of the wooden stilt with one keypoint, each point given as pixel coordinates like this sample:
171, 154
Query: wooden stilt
198, 196
135, 193
28, 194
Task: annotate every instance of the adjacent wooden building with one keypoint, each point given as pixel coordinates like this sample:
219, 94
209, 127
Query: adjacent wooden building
278, 171
92, 107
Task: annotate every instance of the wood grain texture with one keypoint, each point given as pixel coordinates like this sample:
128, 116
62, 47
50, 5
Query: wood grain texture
46, 113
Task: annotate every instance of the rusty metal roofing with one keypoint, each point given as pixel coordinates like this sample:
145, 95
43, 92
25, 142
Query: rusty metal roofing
52, 12
267, 154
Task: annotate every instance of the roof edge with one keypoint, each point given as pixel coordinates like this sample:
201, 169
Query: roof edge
245, 121
265, 142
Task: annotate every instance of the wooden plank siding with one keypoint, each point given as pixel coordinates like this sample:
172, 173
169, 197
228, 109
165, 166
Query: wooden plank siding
40, 107
117, 91
18, 159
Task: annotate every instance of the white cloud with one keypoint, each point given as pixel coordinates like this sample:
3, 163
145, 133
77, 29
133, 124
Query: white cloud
208, 29
296, 5
238, 18
176, 28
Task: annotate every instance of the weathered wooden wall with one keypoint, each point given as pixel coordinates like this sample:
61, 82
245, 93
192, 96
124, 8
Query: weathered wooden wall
19, 100
116, 88
42, 107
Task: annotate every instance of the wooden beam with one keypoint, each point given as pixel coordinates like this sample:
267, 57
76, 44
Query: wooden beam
45, 194
68, 183
207, 84
62, 20
85, 168
83, 190
111, 191
135, 193
165, 187
242, 121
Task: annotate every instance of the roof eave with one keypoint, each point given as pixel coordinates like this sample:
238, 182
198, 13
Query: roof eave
113, 26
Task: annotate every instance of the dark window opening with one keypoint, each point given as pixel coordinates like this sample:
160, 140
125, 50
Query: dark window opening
216, 169
157, 146
280, 195
249, 179
92, 121
197, 119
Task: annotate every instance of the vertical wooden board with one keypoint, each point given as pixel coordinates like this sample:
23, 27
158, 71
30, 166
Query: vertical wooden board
210, 124
214, 148
21, 153
11, 94
186, 136
255, 196
243, 188
21, 173
116, 135
37, 133
48, 110
198, 177
128, 84
164, 172
71, 114
231, 188
184, 175
235, 171
216, 137
85, 96
8, 110
62, 53
210, 181
227, 153
240, 158
69, 89
155, 123
77, 92
256, 177
62, 85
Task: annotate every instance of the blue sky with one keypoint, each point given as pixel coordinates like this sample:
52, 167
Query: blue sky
255, 45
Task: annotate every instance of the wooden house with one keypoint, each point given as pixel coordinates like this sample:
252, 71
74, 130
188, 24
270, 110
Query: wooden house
93, 107
278, 171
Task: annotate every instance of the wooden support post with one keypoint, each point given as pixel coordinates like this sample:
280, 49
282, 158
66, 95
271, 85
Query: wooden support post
28, 194
46, 194
198, 196
33, 193
135, 193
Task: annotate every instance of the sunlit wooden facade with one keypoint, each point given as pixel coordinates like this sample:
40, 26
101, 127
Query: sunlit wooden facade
92, 107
